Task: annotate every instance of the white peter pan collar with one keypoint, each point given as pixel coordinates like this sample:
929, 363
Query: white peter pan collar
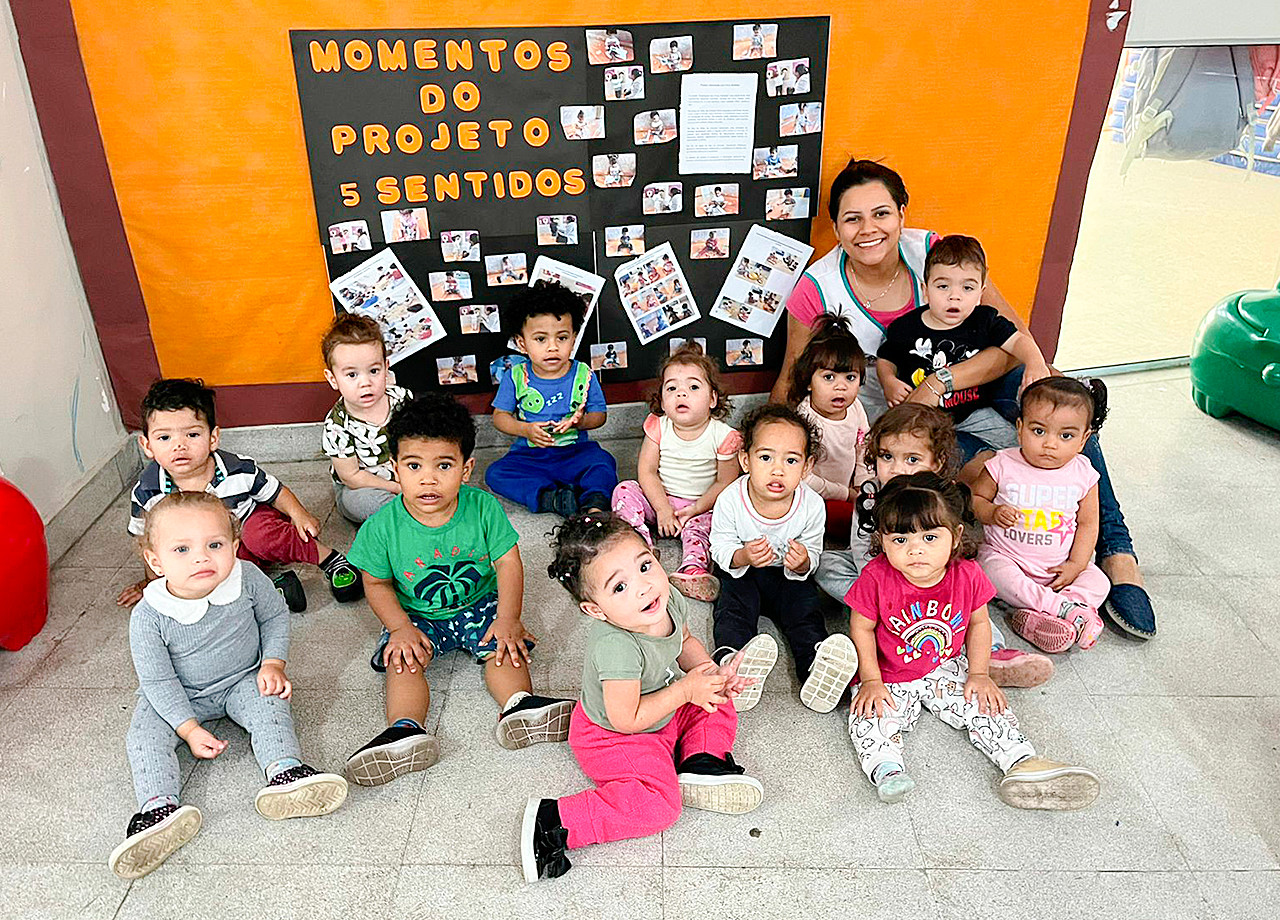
187, 611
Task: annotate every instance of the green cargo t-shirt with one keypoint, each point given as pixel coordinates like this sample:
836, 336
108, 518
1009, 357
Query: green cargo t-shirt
437, 570
616, 654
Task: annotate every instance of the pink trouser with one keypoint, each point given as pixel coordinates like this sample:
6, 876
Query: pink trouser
630, 504
636, 792
1020, 590
268, 536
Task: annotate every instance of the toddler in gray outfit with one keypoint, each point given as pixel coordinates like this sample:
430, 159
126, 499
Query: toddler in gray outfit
209, 639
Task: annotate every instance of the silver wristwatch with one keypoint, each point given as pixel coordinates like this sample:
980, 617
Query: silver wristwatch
944, 377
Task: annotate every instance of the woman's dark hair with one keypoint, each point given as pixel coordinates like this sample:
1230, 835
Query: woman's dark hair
578, 541
832, 347
543, 298
691, 355
929, 423
863, 172
432, 417
923, 501
773, 412
1089, 394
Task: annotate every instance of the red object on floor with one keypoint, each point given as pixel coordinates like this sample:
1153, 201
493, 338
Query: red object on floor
25, 560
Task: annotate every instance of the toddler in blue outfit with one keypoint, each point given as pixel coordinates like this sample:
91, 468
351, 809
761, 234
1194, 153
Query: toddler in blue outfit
549, 404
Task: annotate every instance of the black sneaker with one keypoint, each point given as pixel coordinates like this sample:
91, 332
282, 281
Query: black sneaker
534, 719
398, 750
564, 502
290, 587
300, 792
152, 837
543, 841
344, 579
594, 501
718, 784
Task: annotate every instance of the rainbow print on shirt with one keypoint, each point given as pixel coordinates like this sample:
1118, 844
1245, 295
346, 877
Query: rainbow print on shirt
926, 630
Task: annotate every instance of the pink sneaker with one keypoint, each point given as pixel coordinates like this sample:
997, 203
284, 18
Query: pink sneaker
1088, 625
1012, 667
1043, 630
697, 586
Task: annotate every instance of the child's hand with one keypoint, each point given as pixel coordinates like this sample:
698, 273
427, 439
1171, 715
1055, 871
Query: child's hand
684, 514
734, 684
872, 700
537, 435
571, 422
131, 594
990, 698
1033, 372
272, 681
668, 525
1065, 574
1006, 515
306, 524
797, 557
896, 391
704, 687
407, 648
510, 635
204, 744
759, 552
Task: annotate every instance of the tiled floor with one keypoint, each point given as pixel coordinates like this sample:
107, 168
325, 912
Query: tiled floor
1183, 730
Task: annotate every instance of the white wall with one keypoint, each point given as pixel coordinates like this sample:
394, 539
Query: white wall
58, 419
1203, 22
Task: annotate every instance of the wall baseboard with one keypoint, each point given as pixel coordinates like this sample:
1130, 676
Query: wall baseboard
117, 474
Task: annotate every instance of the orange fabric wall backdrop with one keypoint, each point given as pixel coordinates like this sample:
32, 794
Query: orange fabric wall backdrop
197, 105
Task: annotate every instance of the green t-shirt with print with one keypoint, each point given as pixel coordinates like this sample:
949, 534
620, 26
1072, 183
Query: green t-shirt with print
616, 654
437, 570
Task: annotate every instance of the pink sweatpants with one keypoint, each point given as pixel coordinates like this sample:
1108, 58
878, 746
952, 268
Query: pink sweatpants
630, 504
1020, 590
268, 536
636, 792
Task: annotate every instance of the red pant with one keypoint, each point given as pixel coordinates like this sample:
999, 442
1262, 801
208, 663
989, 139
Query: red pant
636, 790
269, 536
839, 520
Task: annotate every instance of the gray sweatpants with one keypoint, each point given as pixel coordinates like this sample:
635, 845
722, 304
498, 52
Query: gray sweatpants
358, 505
152, 744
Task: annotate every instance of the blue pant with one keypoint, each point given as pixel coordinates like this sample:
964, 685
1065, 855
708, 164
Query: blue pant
1113, 534
525, 471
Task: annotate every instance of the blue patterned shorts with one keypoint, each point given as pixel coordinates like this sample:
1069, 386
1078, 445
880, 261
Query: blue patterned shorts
463, 630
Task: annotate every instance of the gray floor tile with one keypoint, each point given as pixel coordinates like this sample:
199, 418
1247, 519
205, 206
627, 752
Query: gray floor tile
85, 891
330, 644
474, 797
1209, 765
106, 543
280, 892
95, 653
1068, 895
1253, 600
1241, 895
471, 892
789, 893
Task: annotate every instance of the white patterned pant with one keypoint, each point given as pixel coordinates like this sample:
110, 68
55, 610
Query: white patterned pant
941, 691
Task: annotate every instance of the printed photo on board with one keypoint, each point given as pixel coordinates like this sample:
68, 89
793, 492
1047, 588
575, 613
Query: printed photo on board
461, 369
450, 285
627, 240
657, 126
479, 318
608, 356
613, 170
663, 198
774, 162
582, 122
557, 230
507, 268
784, 259
380, 288
800, 118
787, 78
743, 352
709, 244
349, 236
623, 83
673, 343
672, 54
750, 271
460, 245
610, 46
715, 200
786, 203
755, 40
405, 225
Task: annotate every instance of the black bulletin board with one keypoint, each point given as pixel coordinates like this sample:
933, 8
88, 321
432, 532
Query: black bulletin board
334, 92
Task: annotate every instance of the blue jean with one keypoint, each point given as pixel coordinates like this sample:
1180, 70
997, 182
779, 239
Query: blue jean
1113, 533
525, 471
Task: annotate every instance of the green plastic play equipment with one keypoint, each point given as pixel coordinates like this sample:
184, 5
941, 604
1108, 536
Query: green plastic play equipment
1235, 361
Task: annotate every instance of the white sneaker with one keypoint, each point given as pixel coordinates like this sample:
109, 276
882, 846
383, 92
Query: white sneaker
833, 668
758, 658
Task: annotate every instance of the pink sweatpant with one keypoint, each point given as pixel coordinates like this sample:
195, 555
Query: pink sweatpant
1020, 590
636, 790
269, 536
630, 504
